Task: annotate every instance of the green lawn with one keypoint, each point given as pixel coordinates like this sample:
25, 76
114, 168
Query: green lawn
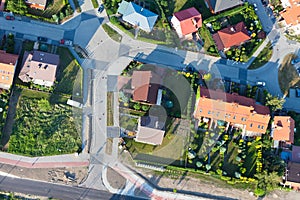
69, 74
128, 123
263, 57
112, 33
44, 128
209, 44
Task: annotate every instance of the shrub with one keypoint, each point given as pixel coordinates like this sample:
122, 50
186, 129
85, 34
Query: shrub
259, 192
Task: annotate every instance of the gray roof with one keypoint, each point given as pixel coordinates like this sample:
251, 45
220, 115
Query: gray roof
220, 5
137, 16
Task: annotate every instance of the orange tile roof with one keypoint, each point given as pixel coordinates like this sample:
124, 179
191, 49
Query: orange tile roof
283, 128
291, 14
230, 108
7, 68
188, 18
231, 36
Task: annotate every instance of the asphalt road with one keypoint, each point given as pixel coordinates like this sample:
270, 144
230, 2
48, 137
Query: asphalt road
55, 191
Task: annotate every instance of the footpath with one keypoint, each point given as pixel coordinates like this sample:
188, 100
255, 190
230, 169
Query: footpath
67, 160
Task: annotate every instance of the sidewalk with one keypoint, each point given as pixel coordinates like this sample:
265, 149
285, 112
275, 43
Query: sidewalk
67, 160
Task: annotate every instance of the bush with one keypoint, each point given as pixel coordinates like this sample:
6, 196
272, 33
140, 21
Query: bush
259, 192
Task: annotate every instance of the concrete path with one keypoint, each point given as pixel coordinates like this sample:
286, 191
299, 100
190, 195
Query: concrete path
67, 160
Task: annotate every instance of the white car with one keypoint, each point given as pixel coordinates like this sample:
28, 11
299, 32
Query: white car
255, 6
261, 83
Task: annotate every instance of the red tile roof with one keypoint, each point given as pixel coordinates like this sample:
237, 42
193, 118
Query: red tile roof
283, 129
145, 85
231, 36
291, 14
188, 19
232, 108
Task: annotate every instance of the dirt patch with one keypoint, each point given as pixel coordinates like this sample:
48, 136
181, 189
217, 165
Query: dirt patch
287, 74
115, 179
68, 175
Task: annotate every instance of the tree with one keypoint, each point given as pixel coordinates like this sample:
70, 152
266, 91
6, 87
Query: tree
275, 103
17, 6
199, 164
208, 167
207, 77
61, 15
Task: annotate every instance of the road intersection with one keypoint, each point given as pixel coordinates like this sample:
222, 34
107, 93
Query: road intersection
107, 59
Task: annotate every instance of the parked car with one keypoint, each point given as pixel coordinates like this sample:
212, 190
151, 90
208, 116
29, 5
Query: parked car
9, 17
261, 83
255, 6
66, 42
42, 39
101, 8
295, 61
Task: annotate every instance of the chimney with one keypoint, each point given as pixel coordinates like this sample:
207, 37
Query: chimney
232, 29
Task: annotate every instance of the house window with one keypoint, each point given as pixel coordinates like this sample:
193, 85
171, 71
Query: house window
262, 127
200, 110
258, 126
243, 119
251, 125
2, 76
234, 117
209, 112
7, 77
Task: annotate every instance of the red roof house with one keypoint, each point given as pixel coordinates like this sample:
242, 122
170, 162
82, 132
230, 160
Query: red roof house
145, 85
186, 22
283, 129
234, 109
231, 36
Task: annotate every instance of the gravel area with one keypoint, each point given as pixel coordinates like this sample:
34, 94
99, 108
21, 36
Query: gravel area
115, 179
67, 175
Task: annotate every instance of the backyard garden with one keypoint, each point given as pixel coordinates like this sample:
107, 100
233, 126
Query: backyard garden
43, 126
215, 23
56, 10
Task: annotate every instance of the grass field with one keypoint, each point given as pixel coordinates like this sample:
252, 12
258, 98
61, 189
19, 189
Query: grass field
287, 75
263, 57
112, 33
69, 74
43, 128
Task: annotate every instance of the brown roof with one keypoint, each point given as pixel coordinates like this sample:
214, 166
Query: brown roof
150, 130
293, 172
291, 14
188, 18
284, 129
7, 68
7, 58
231, 36
145, 85
39, 65
232, 108
296, 154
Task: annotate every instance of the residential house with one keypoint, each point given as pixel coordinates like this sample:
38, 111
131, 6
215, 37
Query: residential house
292, 173
186, 22
238, 111
39, 67
231, 36
283, 130
145, 86
150, 130
217, 6
291, 16
37, 4
137, 15
8, 63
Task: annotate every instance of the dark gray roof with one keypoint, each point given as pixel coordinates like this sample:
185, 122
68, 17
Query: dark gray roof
47, 58
220, 5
